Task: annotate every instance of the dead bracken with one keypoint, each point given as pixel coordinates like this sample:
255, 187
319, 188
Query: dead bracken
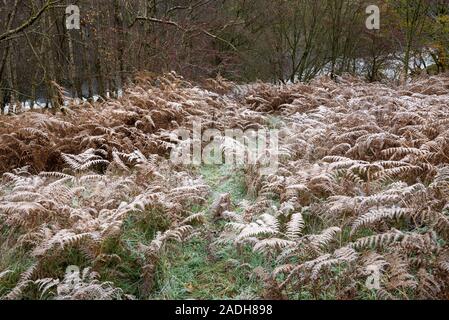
362, 181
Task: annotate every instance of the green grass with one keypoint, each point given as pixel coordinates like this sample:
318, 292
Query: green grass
225, 179
188, 271
126, 274
17, 261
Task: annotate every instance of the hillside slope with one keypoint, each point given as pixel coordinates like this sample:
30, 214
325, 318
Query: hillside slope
92, 207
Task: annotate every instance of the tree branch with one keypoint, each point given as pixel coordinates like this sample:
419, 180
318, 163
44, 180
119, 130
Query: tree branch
29, 22
155, 20
174, 24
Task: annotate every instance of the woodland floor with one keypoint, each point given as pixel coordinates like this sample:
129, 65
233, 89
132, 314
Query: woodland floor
362, 185
193, 270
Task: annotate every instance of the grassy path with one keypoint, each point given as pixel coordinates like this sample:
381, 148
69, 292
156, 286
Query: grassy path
200, 270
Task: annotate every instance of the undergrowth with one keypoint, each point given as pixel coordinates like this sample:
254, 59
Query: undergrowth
91, 207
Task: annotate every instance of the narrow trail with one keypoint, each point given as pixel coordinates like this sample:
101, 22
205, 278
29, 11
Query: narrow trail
201, 269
